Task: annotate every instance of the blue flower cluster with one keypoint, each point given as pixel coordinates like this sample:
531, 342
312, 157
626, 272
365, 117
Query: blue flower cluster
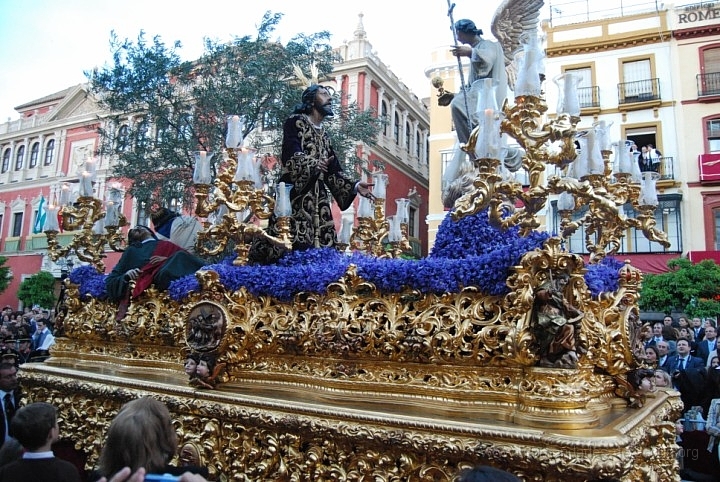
469, 252
91, 283
603, 276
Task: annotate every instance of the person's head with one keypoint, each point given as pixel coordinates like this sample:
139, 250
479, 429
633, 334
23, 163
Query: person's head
662, 378
40, 324
140, 435
686, 332
658, 328
139, 234
10, 451
662, 348
651, 354
162, 216
641, 379
484, 473
696, 322
682, 347
644, 148
8, 377
466, 31
714, 362
668, 320
35, 425
683, 321
316, 98
710, 332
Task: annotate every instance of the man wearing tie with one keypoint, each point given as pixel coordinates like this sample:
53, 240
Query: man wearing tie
9, 395
43, 339
688, 374
707, 348
698, 330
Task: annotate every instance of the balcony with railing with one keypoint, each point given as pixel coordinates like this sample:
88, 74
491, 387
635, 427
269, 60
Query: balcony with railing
643, 93
589, 99
708, 85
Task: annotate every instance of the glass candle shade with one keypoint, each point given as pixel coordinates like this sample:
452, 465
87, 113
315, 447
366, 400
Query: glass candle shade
51, 219
201, 174
86, 187
245, 170
283, 206
233, 139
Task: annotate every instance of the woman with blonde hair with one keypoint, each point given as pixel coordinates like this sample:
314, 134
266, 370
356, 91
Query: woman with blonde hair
141, 436
662, 379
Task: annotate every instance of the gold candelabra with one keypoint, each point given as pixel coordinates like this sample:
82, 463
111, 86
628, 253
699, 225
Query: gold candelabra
94, 228
593, 185
235, 199
373, 233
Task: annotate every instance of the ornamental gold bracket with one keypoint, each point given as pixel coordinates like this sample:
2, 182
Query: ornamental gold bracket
88, 245
241, 200
510, 204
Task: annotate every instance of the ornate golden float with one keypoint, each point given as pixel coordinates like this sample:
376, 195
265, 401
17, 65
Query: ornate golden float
358, 383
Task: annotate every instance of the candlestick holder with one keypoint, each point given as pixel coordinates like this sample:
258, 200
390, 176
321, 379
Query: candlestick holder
241, 200
88, 243
592, 183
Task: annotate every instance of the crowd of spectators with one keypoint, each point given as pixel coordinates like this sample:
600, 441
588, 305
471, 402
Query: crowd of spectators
26, 334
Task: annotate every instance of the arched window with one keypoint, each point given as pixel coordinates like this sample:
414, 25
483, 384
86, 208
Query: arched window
6, 160
385, 119
396, 126
34, 153
123, 138
408, 136
49, 152
20, 158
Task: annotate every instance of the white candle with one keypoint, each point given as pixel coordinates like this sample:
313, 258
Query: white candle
234, 132
244, 170
51, 219
111, 214
365, 210
86, 188
345, 231
380, 181
64, 194
201, 174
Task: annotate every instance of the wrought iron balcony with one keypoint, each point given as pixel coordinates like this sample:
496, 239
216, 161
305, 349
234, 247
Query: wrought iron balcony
589, 97
638, 91
708, 84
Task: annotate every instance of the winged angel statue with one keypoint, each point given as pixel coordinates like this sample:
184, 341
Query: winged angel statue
514, 21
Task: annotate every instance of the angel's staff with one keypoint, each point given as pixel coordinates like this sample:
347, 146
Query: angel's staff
451, 7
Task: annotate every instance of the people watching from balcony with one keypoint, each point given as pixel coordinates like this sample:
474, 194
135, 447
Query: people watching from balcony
650, 159
148, 261
310, 165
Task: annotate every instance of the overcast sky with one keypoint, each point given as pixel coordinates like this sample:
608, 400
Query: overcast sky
46, 45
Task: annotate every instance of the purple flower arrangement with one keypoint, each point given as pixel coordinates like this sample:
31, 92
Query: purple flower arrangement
469, 252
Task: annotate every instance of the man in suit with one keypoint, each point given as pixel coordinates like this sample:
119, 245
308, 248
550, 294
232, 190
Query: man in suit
663, 356
658, 336
688, 374
707, 348
9, 397
698, 330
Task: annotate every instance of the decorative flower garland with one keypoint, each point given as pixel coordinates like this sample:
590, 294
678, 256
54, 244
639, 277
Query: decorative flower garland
469, 252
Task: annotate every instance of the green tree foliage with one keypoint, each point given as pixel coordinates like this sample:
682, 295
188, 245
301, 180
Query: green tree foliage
691, 288
163, 108
5, 276
38, 289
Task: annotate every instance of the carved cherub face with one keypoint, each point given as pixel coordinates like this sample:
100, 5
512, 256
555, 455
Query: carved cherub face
202, 369
190, 366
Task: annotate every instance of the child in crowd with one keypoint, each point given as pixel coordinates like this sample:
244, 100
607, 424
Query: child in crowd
35, 426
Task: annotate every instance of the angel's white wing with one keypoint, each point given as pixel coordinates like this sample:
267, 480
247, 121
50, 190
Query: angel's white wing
513, 18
